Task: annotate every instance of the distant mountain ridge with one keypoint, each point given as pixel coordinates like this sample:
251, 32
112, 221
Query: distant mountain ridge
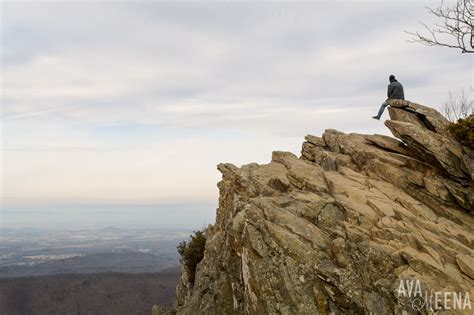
125, 261
100, 293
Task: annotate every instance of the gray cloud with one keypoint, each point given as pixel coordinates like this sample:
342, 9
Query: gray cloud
254, 76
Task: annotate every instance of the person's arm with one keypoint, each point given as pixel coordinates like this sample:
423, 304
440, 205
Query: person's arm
390, 90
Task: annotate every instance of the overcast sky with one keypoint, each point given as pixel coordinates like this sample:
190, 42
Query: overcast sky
135, 103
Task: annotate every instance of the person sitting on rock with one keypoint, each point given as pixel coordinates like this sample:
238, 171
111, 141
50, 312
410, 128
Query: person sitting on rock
394, 92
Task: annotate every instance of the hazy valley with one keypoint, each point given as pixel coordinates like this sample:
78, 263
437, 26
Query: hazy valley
44, 252
107, 271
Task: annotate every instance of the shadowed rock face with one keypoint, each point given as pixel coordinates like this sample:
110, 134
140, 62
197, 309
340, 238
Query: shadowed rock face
335, 230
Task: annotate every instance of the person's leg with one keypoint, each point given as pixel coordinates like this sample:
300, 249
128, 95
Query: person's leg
382, 108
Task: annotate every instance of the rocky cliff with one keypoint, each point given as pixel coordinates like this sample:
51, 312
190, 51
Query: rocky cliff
348, 227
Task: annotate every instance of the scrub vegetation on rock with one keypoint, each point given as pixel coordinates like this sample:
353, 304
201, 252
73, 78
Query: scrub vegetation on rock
192, 253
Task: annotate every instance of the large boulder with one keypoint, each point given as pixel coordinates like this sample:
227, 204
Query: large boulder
428, 117
432, 148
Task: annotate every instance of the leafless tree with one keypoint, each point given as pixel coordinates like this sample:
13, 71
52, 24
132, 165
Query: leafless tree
458, 105
455, 29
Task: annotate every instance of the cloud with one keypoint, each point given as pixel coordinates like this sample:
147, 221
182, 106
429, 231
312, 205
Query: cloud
138, 101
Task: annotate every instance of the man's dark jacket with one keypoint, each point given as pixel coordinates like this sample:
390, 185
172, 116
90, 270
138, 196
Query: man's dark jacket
395, 91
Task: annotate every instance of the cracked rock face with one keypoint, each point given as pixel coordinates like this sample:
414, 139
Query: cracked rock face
337, 229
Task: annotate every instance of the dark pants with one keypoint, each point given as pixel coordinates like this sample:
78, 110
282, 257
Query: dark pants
382, 108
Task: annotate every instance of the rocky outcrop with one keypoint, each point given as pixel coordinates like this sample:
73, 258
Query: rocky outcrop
339, 229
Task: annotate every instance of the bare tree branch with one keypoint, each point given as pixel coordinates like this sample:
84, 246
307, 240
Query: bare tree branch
456, 29
458, 105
